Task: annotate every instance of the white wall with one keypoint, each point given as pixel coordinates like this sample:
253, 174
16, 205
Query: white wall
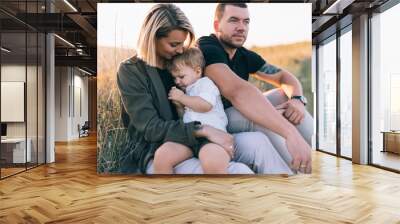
79, 117
13, 73
69, 85
12, 100
16, 73
62, 81
33, 126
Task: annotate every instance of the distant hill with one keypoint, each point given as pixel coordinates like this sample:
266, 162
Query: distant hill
285, 56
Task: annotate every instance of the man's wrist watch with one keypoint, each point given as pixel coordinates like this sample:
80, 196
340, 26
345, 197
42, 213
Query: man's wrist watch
301, 98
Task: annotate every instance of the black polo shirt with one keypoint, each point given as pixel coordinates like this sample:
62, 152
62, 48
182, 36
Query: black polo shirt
243, 63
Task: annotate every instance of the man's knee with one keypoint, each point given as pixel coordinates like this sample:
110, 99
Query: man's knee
276, 96
306, 127
251, 141
236, 121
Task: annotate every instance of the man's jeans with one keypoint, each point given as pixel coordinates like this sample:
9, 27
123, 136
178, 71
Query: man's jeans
239, 124
260, 149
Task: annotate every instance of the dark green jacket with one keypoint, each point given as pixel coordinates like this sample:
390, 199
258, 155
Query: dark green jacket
147, 114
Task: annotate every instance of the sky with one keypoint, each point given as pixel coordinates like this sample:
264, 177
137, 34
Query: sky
118, 24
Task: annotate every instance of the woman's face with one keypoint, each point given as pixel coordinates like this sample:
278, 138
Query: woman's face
171, 45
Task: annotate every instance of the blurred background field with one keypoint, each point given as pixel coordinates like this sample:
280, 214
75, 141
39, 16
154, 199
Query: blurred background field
109, 127
295, 58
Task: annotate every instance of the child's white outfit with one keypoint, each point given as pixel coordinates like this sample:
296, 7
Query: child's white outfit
206, 89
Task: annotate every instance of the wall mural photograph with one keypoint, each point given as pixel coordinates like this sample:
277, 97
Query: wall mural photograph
183, 88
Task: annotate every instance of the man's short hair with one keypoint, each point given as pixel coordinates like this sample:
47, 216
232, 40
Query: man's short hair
219, 11
192, 57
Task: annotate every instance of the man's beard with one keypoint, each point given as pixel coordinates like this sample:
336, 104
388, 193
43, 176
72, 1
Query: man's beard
227, 41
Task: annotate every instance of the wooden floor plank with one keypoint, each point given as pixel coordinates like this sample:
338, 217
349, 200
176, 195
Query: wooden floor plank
70, 191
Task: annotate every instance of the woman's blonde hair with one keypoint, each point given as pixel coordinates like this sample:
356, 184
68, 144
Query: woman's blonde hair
162, 19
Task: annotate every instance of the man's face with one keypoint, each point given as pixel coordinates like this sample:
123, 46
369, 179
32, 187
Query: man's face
233, 27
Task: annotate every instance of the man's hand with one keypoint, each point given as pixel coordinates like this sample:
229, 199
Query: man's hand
281, 111
294, 110
175, 94
300, 152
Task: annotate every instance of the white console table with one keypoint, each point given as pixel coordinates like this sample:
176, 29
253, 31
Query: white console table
17, 147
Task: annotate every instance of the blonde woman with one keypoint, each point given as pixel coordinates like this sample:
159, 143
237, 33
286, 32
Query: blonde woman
144, 83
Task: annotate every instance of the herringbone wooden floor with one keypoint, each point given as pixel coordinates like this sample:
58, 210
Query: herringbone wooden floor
70, 191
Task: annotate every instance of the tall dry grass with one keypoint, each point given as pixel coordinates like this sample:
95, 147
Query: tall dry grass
110, 132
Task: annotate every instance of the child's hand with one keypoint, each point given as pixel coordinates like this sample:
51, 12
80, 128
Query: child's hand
175, 94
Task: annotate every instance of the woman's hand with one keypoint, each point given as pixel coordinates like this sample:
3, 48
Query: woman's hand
219, 137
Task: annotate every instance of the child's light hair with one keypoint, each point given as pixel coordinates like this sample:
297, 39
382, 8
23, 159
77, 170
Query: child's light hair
191, 57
